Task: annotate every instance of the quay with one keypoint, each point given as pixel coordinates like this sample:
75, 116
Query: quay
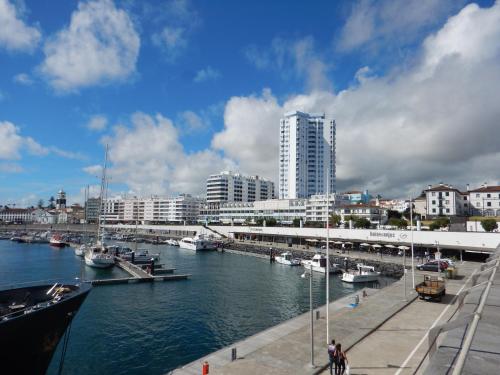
388, 332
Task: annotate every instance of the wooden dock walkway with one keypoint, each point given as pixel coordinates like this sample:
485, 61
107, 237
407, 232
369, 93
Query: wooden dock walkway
139, 275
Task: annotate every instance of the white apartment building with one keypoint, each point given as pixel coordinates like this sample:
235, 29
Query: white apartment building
316, 206
282, 210
307, 155
445, 200
376, 214
153, 210
485, 201
234, 187
16, 215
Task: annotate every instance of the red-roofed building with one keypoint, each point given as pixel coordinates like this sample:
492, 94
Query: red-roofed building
485, 201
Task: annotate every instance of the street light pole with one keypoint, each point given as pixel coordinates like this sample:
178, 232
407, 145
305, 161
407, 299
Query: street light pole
309, 275
327, 257
411, 235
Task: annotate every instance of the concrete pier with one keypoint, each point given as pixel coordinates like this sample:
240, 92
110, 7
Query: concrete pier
384, 320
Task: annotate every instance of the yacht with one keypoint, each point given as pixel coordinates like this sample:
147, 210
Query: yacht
57, 241
172, 242
361, 275
286, 258
99, 257
139, 256
318, 264
196, 244
32, 321
80, 250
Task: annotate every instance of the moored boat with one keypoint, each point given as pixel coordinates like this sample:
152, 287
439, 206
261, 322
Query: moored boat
363, 274
57, 241
287, 259
318, 264
196, 244
33, 320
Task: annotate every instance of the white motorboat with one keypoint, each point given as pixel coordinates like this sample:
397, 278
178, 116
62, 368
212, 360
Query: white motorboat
172, 242
80, 250
318, 264
361, 275
99, 257
287, 258
196, 244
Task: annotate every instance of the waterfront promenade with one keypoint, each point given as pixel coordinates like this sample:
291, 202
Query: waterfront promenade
384, 334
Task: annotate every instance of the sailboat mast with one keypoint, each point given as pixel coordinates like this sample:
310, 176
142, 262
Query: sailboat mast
102, 200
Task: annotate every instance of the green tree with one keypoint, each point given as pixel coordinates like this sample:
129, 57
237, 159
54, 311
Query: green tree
40, 203
271, 222
335, 220
296, 222
362, 223
51, 202
489, 225
393, 214
400, 223
248, 221
440, 222
259, 221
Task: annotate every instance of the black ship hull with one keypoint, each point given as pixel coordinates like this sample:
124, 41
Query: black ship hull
29, 337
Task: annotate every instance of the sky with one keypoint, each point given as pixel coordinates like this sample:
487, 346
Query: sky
182, 89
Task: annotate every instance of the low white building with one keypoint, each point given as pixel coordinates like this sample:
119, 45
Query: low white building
445, 200
40, 216
376, 214
153, 210
16, 215
485, 201
282, 210
316, 206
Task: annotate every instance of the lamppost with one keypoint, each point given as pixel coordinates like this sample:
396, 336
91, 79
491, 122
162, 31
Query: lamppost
310, 277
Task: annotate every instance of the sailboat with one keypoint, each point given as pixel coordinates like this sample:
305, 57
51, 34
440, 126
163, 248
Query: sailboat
98, 255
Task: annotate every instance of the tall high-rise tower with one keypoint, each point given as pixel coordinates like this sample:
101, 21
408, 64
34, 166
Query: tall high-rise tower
307, 155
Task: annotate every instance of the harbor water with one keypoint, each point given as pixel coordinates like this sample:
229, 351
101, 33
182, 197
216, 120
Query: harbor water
153, 328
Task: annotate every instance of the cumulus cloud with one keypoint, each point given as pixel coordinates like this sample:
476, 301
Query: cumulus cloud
206, 74
401, 131
190, 122
13, 144
15, 34
149, 158
94, 170
384, 24
292, 59
99, 46
97, 123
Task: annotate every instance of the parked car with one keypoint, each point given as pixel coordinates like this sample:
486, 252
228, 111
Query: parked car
433, 266
450, 262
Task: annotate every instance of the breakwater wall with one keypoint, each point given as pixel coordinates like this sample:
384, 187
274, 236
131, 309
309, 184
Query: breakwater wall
386, 268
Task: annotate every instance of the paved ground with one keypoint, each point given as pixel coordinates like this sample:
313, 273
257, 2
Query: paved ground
400, 345
383, 334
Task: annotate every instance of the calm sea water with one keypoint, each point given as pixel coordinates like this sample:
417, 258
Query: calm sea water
156, 327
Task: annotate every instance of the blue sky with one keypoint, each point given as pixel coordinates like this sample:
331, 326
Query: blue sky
181, 89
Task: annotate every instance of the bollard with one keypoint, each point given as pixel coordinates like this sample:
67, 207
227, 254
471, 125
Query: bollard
317, 314
205, 368
233, 354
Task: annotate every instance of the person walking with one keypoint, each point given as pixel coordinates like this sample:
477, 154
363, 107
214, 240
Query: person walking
332, 357
341, 360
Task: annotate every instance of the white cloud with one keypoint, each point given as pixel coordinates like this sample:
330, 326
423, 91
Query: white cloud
15, 34
206, 74
178, 20
149, 158
67, 154
10, 168
13, 144
99, 46
97, 123
94, 170
293, 59
383, 24
189, 122
402, 131
23, 79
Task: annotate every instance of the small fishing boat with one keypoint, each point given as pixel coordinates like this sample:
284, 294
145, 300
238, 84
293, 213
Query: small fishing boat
363, 274
287, 259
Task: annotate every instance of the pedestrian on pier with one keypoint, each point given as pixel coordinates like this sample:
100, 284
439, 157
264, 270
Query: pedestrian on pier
341, 360
332, 357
